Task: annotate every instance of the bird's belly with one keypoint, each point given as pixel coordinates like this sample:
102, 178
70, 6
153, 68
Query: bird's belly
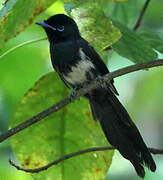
80, 73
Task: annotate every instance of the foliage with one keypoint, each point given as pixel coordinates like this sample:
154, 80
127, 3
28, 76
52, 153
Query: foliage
61, 133
133, 46
16, 15
94, 25
103, 23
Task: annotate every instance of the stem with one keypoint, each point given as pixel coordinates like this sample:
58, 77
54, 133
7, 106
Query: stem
21, 45
68, 156
141, 15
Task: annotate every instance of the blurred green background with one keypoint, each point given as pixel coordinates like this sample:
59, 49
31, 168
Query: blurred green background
140, 92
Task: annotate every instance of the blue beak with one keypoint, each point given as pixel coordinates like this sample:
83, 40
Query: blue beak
43, 24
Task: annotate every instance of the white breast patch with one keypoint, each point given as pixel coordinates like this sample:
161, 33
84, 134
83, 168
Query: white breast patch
78, 72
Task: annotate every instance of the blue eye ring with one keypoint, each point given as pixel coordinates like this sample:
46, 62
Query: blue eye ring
60, 28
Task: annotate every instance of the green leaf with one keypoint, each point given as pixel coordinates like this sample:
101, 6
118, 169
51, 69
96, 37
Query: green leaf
70, 129
126, 13
56, 8
154, 39
16, 15
147, 99
80, 2
93, 24
133, 46
120, 0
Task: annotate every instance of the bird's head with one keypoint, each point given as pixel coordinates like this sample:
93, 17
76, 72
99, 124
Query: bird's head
60, 28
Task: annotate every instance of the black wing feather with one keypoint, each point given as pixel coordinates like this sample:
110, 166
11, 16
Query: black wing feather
97, 61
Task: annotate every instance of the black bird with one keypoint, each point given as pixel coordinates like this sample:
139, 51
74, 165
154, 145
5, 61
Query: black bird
77, 63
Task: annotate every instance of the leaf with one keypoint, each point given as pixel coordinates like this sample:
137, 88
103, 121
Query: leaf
16, 15
148, 97
93, 24
79, 2
126, 13
120, 0
100, 33
68, 8
70, 129
133, 46
56, 8
154, 39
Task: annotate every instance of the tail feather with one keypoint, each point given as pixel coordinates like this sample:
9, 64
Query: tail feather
139, 169
119, 129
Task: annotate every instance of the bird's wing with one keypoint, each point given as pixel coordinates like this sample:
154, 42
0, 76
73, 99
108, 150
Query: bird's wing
97, 61
63, 79
93, 56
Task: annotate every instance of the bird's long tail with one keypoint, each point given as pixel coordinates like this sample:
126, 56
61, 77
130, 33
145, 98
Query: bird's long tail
119, 129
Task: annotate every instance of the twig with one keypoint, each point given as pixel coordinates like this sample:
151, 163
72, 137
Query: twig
156, 151
4, 3
21, 45
94, 84
68, 156
139, 20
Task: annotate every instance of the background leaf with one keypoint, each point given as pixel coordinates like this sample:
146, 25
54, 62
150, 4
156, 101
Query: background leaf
132, 46
95, 26
125, 13
154, 39
15, 16
93, 23
69, 130
120, 0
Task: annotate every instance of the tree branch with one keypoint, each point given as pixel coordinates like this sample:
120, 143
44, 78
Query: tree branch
94, 84
4, 3
141, 15
68, 156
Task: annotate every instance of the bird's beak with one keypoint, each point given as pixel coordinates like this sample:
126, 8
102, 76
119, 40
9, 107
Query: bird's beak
43, 24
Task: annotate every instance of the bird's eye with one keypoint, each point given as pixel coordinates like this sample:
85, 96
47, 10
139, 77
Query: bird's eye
60, 28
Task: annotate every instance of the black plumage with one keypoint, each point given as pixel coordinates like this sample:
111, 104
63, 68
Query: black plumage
77, 63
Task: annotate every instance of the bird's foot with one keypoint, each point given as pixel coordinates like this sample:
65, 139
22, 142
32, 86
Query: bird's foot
73, 94
100, 79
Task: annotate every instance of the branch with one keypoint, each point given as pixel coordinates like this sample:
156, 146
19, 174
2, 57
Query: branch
94, 84
156, 151
4, 3
68, 156
21, 45
142, 12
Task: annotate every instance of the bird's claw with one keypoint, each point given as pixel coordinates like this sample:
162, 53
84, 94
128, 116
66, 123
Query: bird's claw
73, 94
100, 79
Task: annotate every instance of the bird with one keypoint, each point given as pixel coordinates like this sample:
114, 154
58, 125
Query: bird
77, 64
